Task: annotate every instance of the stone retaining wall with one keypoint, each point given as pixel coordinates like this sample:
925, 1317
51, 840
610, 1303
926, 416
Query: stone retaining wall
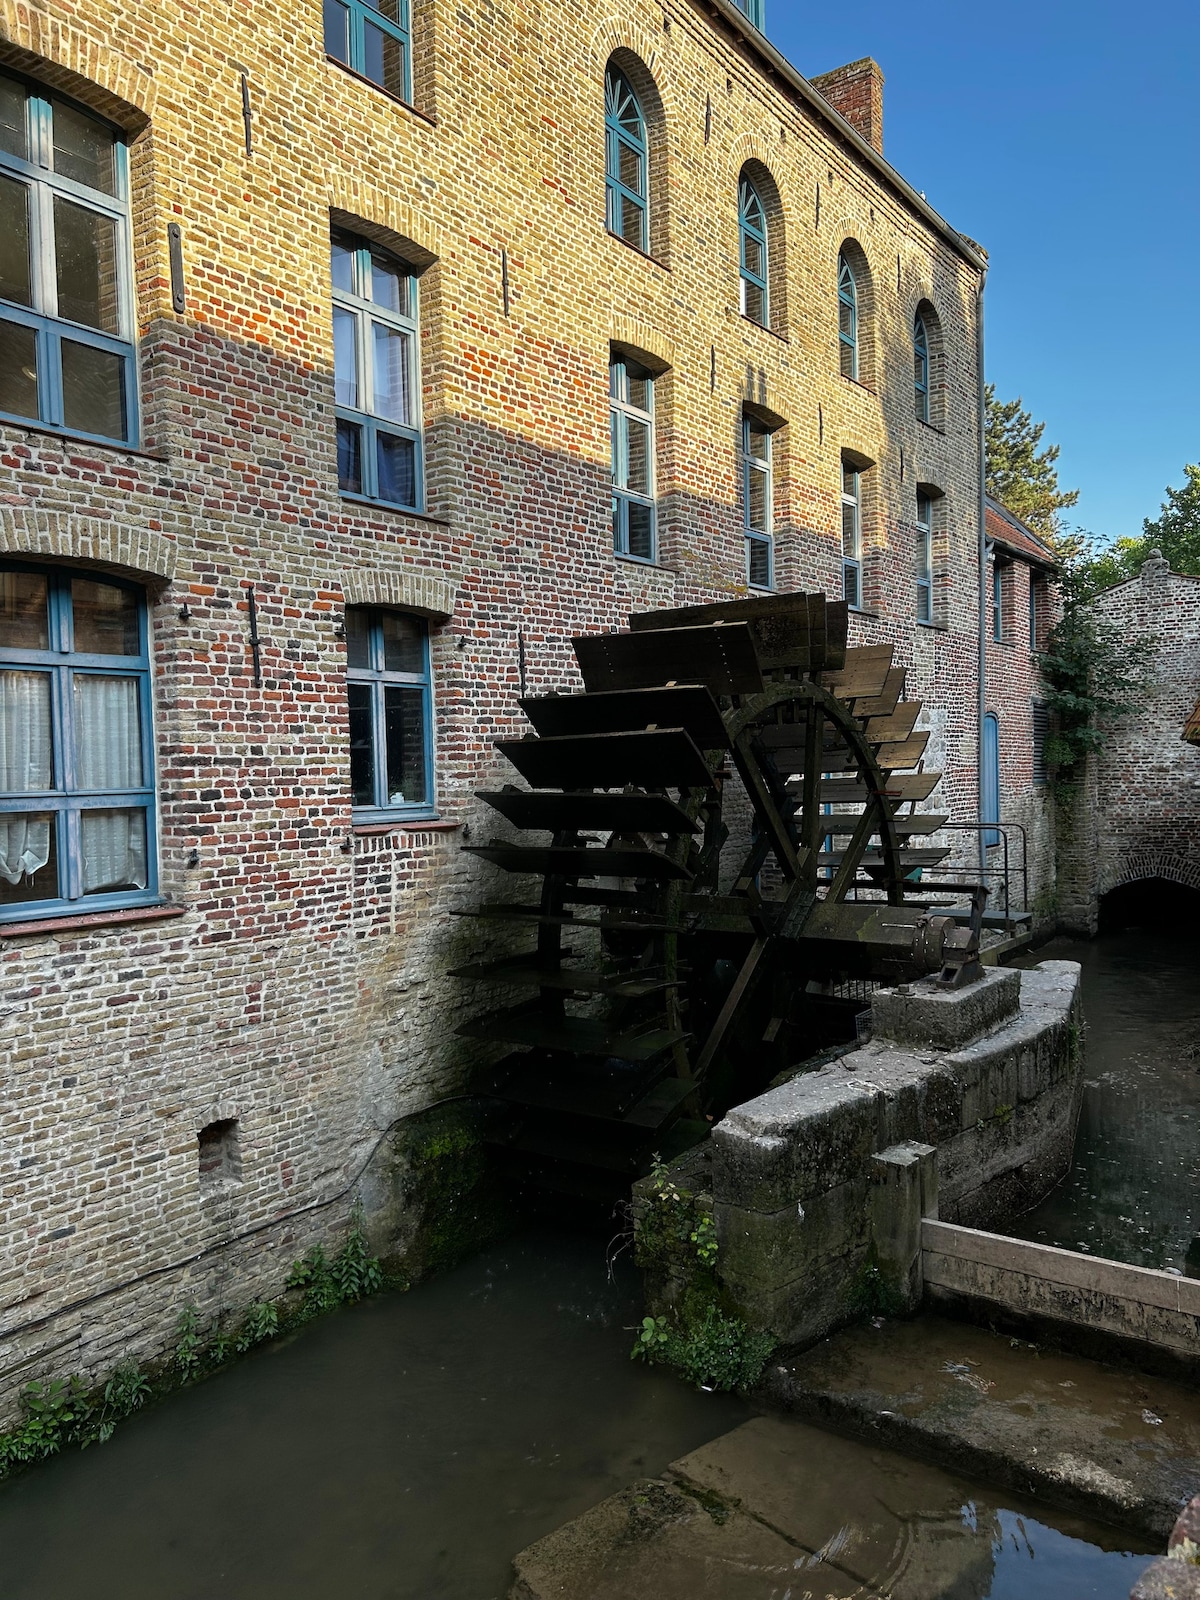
817, 1185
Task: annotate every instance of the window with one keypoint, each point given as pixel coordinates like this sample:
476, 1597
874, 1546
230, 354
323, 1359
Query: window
631, 390
67, 319
372, 37
924, 557
851, 534
921, 368
1033, 610
847, 320
376, 374
626, 165
1041, 727
753, 9
391, 715
757, 508
997, 600
76, 785
989, 795
752, 224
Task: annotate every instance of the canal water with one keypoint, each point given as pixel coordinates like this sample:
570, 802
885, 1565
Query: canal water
1133, 1193
408, 1447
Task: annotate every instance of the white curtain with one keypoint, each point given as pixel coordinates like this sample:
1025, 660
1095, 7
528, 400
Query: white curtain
108, 740
26, 765
113, 846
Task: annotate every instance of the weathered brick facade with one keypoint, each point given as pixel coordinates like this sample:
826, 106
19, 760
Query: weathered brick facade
1137, 815
294, 980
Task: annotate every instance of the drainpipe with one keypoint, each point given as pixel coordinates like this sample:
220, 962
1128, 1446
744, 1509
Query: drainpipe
981, 708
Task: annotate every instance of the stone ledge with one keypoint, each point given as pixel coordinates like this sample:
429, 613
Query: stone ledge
935, 1018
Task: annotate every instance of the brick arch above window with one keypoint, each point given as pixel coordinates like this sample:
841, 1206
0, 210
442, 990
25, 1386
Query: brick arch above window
432, 594
644, 343
361, 208
67, 59
69, 536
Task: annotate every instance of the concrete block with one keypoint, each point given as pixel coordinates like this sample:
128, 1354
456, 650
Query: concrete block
943, 1019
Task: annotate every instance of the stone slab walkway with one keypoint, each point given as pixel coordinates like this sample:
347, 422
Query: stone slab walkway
1096, 1440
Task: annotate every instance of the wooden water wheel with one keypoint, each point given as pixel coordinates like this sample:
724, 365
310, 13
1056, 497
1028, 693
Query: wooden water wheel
724, 828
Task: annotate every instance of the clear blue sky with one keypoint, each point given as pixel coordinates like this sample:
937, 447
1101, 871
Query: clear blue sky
1065, 137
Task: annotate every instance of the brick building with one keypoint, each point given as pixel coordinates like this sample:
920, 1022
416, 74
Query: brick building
1137, 816
319, 333
1020, 612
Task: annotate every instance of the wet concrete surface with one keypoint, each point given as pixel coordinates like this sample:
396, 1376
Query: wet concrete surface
1133, 1192
1098, 1440
777, 1509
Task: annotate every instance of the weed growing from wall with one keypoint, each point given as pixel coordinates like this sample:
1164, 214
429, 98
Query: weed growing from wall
65, 1411
702, 1337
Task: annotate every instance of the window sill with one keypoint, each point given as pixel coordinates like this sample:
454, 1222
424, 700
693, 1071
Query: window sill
85, 440
932, 427
856, 384
91, 919
397, 100
646, 566
645, 255
365, 829
934, 627
386, 505
862, 611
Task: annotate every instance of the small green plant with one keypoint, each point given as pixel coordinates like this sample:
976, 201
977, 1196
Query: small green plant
711, 1349
64, 1411
188, 1343
872, 1293
652, 1340
260, 1322
704, 1237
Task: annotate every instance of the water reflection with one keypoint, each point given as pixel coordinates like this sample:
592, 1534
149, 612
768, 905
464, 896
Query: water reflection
1131, 1194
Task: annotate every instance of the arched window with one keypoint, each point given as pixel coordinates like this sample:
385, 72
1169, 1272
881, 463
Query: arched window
626, 162
847, 319
752, 226
921, 368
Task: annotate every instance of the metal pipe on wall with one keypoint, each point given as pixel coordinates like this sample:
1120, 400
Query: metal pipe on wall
982, 697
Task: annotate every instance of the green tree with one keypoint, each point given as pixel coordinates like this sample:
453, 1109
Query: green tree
1022, 474
1176, 529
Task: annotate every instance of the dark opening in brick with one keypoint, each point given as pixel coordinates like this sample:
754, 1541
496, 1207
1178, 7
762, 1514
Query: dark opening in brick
220, 1158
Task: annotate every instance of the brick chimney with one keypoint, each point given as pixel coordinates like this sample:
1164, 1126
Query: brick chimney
857, 92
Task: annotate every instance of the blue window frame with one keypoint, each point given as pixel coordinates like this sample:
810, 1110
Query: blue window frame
847, 320
753, 9
626, 166
631, 413
67, 318
851, 534
76, 753
921, 368
924, 557
372, 37
757, 507
1033, 609
997, 600
376, 371
989, 794
390, 696
752, 227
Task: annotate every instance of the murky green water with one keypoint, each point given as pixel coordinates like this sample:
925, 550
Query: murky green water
1133, 1193
406, 1449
